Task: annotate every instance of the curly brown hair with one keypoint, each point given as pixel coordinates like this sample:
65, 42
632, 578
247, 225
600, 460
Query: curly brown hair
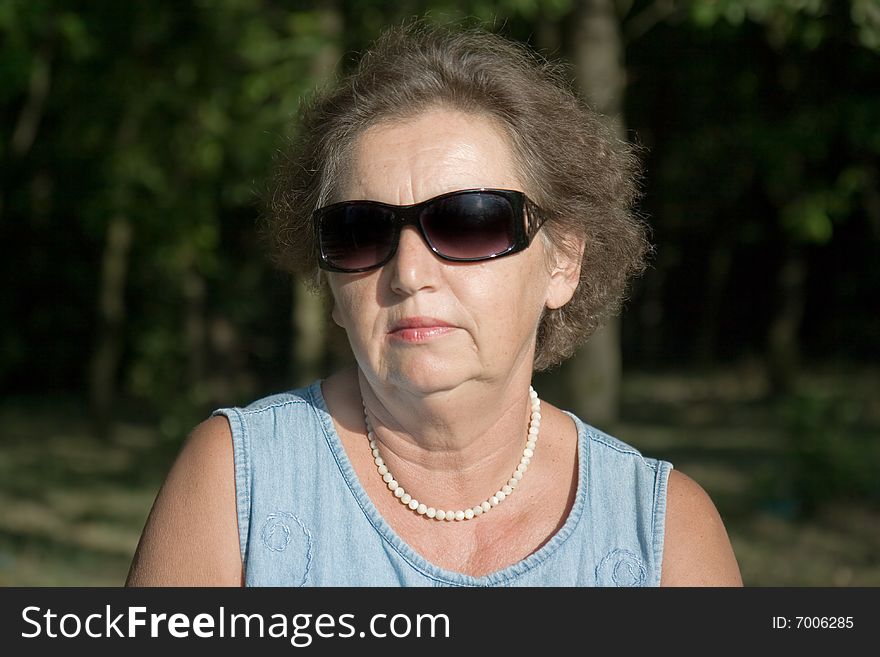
584, 179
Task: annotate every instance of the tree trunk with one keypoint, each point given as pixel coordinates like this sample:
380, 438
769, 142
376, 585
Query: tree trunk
28, 122
111, 302
593, 374
309, 330
548, 35
308, 316
25, 131
111, 309
783, 351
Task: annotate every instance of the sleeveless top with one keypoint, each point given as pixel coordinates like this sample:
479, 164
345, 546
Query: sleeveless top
305, 520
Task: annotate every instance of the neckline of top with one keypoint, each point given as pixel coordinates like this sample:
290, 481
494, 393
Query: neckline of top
441, 575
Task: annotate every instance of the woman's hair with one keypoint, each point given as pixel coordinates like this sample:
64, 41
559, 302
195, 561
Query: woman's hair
584, 179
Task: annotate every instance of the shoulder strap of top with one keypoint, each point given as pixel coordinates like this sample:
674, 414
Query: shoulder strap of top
269, 437
627, 510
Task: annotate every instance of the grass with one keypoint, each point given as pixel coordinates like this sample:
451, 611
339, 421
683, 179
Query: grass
72, 508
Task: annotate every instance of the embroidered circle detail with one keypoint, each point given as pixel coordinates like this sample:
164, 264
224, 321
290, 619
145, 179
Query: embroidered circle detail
282, 530
622, 568
276, 532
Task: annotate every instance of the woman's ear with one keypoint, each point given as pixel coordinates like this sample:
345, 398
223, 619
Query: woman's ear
335, 314
326, 292
565, 274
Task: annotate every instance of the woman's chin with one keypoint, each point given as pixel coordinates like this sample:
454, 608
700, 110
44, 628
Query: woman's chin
425, 376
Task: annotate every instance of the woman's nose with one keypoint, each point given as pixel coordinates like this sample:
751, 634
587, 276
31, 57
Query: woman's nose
414, 267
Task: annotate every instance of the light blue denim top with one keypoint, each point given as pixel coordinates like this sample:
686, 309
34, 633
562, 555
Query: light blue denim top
305, 520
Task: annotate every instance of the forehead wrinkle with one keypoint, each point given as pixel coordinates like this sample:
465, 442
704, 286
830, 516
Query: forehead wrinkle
426, 172
433, 154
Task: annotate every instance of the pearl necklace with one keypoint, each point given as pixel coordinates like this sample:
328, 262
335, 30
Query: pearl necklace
478, 510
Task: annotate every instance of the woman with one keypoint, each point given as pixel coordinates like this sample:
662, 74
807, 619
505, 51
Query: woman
473, 224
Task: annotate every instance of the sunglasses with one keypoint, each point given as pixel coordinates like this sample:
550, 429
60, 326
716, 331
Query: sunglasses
464, 226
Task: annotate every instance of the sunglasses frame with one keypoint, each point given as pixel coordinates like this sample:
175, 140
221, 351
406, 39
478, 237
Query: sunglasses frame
411, 215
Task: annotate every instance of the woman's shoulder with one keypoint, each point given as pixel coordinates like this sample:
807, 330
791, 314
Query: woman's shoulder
190, 537
697, 548
192, 534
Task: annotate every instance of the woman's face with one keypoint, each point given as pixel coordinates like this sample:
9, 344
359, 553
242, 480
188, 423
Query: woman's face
422, 323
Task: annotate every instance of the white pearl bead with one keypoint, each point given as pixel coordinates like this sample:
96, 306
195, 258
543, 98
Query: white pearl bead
468, 514
512, 482
405, 498
421, 509
507, 490
459, 515
378, 460
441, 514
486, 506
531, 445
532, 393
525, 459
450, 515
522, 467
383, 470
493, 501
478, 510
413, 504
533, 431
536, 416
376, 452
398, 491
431, 512
387, 478
528, 452
393, 485
501, 496
517, 475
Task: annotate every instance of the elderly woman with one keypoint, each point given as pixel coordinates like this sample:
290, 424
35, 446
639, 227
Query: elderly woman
472, 221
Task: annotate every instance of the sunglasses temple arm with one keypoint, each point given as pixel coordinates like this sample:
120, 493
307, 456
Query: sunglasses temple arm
534, 218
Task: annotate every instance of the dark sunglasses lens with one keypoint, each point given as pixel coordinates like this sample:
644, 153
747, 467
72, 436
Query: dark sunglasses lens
476, 225
356, 236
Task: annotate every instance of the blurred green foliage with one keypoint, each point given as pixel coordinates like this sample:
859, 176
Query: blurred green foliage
759, 118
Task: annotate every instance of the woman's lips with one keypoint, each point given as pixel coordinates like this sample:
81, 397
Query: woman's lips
419, 329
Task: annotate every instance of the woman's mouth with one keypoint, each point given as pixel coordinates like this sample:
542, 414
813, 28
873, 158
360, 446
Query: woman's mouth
419, 329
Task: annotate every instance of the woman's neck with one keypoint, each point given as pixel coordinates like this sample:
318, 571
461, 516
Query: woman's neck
451, 446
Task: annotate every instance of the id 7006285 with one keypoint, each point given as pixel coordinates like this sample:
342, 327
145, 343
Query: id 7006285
813, 622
